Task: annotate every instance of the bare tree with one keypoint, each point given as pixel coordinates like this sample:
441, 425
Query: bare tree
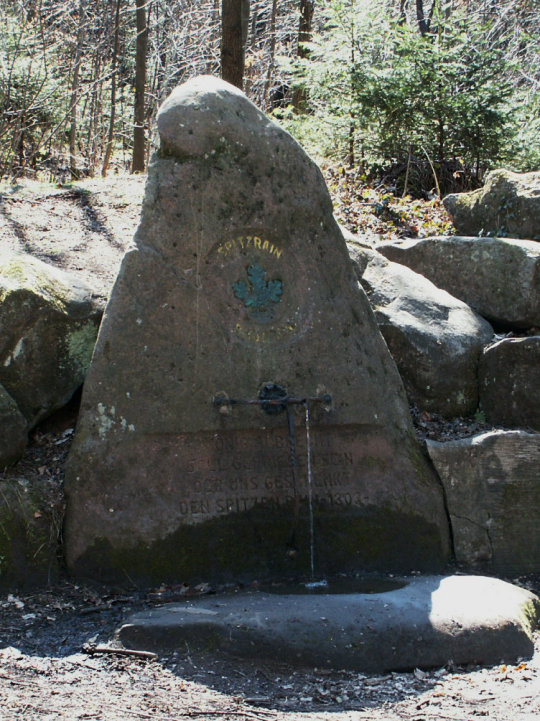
116, 46
304, 36
75, 89
234, 27
140, 87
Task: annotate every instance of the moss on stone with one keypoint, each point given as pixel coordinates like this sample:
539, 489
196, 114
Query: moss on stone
80, 345
34, 277
530, 614
49, 326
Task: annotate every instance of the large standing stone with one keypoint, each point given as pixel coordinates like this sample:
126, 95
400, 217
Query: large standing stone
48, 327
508, 204
240, 286
509, 381
435, 339
499, 278
493, 493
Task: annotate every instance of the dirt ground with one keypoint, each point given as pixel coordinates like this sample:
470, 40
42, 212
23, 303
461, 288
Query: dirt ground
57, 661
57, 658
84, 228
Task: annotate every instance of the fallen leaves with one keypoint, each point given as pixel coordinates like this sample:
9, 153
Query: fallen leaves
380, 215
11, 599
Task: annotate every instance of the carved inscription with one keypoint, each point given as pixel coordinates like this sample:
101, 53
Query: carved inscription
209, 475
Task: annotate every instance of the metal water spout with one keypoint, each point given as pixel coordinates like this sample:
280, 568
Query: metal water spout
273, 399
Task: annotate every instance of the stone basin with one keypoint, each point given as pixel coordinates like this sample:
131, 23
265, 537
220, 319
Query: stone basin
428, 622
337, 585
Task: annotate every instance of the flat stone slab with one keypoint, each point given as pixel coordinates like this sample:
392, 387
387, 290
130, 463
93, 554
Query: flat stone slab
428, 622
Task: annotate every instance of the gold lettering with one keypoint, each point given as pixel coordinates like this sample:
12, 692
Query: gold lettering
245, 241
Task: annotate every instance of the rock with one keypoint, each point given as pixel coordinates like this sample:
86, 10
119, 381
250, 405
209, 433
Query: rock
49, 324
14, 430
240, 288
508, 205
29, 530
509, 379
435, 339
429, 622
498, 278
366, 239
493, 496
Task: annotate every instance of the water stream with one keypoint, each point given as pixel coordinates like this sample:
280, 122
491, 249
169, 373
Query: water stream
310, 495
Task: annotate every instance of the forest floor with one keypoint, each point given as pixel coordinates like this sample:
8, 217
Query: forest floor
57, 658
56, 655
57, 662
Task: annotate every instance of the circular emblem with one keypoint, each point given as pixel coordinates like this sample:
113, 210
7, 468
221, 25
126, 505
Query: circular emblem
256, 277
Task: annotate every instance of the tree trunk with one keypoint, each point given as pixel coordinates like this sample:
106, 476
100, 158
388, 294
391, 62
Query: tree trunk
304, 36
234, 26
421, 18
271, 61
305, 26
424, 23
140, 87
116, 48
403, 7
95, 139
352, 118
74, 98
92, 122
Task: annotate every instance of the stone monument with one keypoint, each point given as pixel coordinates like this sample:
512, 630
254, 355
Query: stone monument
243, 418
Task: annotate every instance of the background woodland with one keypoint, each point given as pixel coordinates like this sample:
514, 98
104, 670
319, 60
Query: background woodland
423, 95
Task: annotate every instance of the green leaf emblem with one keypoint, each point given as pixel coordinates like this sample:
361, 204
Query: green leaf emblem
258, 294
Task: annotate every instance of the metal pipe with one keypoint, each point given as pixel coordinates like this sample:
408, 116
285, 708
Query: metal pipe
287, 400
